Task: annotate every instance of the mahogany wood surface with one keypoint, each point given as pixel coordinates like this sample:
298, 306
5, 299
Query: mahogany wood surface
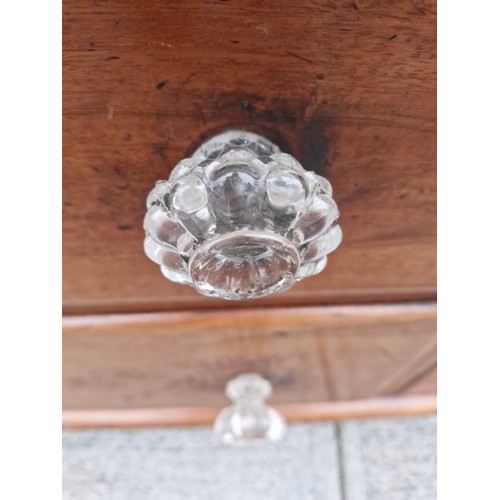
179, 360
348, 87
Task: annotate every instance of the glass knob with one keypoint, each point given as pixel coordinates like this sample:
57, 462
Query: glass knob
249, 419
240, 219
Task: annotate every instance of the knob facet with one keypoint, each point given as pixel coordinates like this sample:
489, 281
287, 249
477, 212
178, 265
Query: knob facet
240, 219
249, 419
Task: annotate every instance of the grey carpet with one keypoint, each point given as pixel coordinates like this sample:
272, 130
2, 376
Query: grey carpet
187, 464
388, 459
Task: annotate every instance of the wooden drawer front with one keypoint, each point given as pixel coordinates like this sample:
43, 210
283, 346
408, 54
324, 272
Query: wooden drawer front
347, 87
174, 360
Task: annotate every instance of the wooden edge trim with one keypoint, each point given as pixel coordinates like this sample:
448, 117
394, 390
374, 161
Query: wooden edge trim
103, 323
304, 298
340, 410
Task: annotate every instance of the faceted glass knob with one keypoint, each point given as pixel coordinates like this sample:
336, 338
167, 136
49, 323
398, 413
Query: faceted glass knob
240, 219
249, 419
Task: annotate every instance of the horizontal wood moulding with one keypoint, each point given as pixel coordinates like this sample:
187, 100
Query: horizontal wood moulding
310, 355
352, 97
342, 410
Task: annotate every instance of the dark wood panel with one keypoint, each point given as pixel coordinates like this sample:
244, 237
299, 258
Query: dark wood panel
177, 360
347, 87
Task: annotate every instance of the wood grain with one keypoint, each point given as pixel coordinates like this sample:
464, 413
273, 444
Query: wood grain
425, 384
178, 360
347, 87
421, 365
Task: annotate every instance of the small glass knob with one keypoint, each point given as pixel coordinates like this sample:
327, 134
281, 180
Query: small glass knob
249, 419
240, 219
